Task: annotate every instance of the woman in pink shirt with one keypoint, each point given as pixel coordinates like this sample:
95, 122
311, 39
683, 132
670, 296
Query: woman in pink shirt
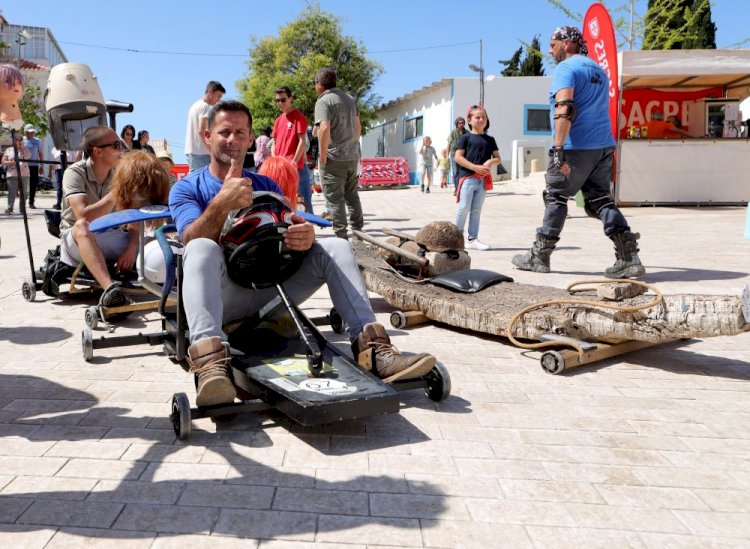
9, 163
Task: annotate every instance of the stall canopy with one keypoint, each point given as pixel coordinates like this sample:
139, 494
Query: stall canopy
708, 169
687, 69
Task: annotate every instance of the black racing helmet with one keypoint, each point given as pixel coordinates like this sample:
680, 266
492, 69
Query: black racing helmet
253, 241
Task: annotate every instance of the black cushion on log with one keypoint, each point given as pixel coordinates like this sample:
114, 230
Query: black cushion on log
469, 281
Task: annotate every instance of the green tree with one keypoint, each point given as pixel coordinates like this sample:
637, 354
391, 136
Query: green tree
32, 108
701, 28
666, 24
310, 42
532, 63
512, 65
679, 24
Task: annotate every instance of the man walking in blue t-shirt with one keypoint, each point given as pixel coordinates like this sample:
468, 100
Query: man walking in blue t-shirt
580, 159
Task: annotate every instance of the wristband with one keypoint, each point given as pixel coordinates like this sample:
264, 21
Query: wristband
558, 156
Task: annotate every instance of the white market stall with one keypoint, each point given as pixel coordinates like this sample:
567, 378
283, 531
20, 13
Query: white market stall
703, 88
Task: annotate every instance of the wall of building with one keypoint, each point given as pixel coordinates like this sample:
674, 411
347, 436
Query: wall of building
510, 102
389, 134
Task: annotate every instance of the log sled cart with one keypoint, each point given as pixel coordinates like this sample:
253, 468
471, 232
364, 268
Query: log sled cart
280, 359
590, 321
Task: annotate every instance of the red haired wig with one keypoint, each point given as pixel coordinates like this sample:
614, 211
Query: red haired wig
283, 172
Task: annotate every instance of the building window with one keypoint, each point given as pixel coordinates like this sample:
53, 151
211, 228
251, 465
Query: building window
413, 128
536, 120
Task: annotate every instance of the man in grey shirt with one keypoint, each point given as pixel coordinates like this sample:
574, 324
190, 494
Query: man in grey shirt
337, 117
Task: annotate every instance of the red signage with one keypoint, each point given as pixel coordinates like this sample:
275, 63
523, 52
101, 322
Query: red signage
639, 104
180, 170
599, 34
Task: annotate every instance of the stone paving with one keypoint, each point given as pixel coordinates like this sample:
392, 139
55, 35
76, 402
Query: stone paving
649, 449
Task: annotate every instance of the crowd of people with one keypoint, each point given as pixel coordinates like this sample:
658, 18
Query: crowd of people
122, 171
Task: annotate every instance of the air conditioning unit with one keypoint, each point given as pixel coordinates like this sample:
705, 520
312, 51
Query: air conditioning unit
524, 152
529, 154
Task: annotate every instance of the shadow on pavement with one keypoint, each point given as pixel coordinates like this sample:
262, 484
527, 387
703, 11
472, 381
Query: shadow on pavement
31, 335
106, 474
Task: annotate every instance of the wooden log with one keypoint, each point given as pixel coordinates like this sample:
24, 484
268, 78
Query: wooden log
489, 311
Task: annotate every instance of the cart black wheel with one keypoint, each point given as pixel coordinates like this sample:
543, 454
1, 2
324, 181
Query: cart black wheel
91, 317
552, 362
438, 383
28, 290
180, 416
337, 323
398, 319
87, 341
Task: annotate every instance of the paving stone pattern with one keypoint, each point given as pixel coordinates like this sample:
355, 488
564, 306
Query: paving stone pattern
649, 449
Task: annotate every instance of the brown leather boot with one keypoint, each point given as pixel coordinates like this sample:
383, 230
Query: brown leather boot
209, 358
374, 352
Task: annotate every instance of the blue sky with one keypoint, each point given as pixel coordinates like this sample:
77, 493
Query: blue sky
162, 87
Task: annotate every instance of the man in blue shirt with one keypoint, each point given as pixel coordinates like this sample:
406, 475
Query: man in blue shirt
581, 158
199, 204
35, 148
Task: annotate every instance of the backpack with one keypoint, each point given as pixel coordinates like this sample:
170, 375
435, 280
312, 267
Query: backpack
54, 272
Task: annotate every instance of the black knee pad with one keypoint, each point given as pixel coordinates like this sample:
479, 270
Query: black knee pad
555, 198
594, 207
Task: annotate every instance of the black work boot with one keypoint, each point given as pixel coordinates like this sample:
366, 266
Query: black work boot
627, 263
114, 296
373, 351
209, 358
537, 258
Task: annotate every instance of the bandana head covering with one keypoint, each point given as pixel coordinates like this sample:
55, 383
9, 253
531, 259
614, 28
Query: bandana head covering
571, 34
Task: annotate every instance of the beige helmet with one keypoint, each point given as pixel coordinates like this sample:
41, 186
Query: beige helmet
440, 236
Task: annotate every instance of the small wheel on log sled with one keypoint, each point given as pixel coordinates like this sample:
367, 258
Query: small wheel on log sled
398, 319
337, 323
438, 383
28, 290
91, 317
552, 362
87, 341
180, 416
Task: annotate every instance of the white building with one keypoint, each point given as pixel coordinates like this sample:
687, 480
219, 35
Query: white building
518, 109
35, 57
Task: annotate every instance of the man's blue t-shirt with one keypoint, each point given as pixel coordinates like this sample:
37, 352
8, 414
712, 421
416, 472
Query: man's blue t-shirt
34, 146
592, 128
192, 194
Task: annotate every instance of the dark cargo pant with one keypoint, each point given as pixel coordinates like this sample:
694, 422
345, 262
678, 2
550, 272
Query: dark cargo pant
591, 172
340, 184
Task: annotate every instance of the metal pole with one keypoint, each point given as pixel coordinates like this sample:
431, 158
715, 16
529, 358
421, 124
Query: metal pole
481, 75
630, 39
22, 38
22, 196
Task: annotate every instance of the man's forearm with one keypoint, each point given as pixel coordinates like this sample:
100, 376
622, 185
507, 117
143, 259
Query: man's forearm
324, 138
300, 148
562, 130
208, 225
89, 212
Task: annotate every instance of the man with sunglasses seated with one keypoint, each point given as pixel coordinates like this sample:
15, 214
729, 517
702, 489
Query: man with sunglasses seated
86, 196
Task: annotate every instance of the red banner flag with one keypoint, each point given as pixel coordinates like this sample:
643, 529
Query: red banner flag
599, 34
